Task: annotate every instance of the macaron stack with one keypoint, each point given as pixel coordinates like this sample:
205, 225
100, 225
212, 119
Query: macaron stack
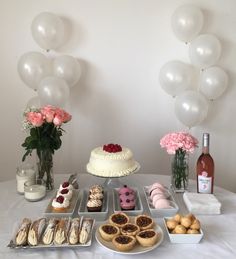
159, 195
127, 198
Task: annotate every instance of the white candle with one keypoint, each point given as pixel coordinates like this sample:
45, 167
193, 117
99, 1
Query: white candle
22, 176
34, 192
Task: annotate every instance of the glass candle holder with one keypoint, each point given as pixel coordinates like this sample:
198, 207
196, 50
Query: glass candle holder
24, 173
35, 191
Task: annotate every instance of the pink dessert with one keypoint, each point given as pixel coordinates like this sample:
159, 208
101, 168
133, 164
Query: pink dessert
162, 204
127, 198
158, 197
125, 189
127, 204
155, 186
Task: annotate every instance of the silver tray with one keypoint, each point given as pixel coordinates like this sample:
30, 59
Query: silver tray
65, 245
159, 213
99, 216
138, 204
68, 212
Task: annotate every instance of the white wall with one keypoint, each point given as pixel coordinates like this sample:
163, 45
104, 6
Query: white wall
121, 44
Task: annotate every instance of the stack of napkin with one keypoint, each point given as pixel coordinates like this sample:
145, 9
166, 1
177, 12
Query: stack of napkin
202, 203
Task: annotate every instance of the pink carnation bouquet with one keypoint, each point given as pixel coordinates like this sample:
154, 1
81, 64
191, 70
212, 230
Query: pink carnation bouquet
180, 144
45, 128
178, 140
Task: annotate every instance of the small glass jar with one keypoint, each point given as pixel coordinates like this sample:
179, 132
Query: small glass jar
35, 191
24, 173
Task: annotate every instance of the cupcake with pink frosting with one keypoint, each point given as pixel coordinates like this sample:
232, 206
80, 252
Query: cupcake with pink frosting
127, 198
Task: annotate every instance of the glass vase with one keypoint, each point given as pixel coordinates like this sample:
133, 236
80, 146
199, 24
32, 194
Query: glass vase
45, 168
180, 171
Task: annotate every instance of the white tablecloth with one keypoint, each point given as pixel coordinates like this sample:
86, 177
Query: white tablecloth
219, 239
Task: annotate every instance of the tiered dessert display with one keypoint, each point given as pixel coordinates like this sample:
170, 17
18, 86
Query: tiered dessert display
112, 162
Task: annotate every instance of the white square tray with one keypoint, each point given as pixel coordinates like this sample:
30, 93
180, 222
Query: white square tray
138, 204
160, 213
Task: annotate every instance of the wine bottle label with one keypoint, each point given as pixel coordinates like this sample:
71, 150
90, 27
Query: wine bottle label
204, 183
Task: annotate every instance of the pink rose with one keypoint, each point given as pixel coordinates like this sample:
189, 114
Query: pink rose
61, 116
35, 118
48, 112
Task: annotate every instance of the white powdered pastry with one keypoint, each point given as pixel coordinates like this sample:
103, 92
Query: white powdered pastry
103, 163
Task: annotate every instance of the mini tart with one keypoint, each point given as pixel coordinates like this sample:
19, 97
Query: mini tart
108, 231
147, 237
118, 219
130, 229
144, 222
124, 243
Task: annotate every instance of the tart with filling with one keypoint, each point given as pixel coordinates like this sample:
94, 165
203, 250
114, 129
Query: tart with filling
144, 222
147, 237
130, 229
124, 243
108, 231
118, 219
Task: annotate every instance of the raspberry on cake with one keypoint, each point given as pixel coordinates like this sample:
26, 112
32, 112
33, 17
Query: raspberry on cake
111, 160
60, 203
66, 193
66, 185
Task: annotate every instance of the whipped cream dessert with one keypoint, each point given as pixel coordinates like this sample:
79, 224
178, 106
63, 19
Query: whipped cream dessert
60, 203
66, 193
111, 160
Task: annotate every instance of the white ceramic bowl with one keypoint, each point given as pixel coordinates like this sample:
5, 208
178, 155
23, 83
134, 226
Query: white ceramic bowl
183, 238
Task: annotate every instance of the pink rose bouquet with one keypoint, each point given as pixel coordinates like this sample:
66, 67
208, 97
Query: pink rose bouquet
45, 129
180, 144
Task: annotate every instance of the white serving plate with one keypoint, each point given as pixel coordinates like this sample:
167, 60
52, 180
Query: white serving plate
183, 238
160, 213
138, 204
42, 246
99, 216
49, 212
138, 249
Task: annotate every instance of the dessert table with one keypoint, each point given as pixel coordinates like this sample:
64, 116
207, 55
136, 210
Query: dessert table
219, 239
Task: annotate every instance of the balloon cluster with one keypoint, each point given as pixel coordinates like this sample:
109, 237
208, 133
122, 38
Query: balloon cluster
52, 79
176, 77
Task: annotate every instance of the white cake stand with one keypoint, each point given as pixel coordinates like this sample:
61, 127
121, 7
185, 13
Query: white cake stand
114, 182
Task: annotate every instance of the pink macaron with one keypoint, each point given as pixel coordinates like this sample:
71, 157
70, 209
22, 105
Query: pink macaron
156, 185
162, 204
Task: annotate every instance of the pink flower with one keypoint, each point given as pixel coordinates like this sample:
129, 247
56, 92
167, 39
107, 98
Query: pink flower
61, 116
178, 140
35, 118
48, 112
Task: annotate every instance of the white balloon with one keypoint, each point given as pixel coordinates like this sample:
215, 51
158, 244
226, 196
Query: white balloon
32, 67
67, 68
175, 77
213, 82
48, 30
33, 102
191, 108
187, 21
54, 91
205, 50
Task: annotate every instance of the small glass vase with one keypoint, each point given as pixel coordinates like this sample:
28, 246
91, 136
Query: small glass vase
45, 168
180, 171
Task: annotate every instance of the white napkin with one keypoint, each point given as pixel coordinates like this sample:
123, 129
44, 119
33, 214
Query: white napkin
202, 203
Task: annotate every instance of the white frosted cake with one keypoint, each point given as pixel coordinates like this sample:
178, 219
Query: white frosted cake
111, 160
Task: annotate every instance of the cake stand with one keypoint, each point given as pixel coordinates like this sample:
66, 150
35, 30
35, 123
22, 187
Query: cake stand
114, 182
